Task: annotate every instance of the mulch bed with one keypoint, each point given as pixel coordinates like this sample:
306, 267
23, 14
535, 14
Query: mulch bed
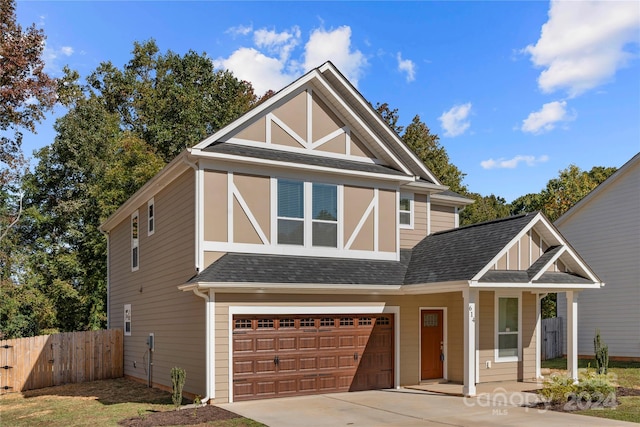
181, 417
571, 406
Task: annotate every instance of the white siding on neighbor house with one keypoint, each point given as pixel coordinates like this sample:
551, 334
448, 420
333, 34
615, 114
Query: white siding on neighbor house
606, 233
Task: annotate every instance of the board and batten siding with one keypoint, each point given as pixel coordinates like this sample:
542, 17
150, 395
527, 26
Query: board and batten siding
605, 231
409, 327
177, 319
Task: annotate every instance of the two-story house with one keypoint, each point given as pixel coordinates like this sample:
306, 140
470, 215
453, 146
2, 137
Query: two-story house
305, 249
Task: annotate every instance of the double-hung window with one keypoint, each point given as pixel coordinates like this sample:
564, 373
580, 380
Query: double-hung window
325, 215
290, 212
508, 328
151, 217
307, 214
405, 210
135, 240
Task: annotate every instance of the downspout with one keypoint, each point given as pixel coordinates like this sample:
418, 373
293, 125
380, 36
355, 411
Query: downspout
208, 329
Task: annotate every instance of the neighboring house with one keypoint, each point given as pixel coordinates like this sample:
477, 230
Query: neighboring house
605, 228
305, 249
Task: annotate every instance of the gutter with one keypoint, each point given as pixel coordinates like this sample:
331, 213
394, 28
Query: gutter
210, 393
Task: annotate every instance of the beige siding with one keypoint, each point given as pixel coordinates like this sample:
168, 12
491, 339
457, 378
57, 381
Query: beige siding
323, 120
410, 237
157, 306
409, 328
281, 137
442, 218
336, 145
356, 202
294, 114
215, 206
255, 191
359, 149
387, 221
255, 132
506, 371
605, 231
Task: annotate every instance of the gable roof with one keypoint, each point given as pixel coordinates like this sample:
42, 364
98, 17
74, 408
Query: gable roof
633, 163
333, 85
462, 255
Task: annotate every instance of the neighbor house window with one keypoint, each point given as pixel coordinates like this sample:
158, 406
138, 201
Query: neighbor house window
508, 328
294, 221
127, 319
135, 228
406, 210
151, 217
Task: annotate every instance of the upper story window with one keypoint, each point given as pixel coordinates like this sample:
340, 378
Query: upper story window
135, 240
151, 217
508, 328
296, 225
406, 210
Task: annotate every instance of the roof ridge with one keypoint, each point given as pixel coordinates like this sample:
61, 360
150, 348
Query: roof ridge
493, 221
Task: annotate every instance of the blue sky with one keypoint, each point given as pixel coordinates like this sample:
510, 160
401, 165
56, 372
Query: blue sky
516, 90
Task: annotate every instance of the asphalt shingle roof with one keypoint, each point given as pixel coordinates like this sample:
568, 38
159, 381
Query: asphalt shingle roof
461, 253
286, 156
454, 255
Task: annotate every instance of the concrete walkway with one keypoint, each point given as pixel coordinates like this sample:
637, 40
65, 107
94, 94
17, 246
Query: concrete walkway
405, 408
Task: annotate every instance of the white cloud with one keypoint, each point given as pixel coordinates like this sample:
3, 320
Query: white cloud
335, 46
270, 63
582, 45
512, 163
240, 30
51, 57
262, 71
454, 122
407, 66
546, 119
66, 50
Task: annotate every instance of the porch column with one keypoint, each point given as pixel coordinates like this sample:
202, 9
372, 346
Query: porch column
470, 298
572, 334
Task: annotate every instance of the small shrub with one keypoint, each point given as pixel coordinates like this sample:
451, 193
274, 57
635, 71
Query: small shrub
178, 378
602, 354
594, 387
558, 388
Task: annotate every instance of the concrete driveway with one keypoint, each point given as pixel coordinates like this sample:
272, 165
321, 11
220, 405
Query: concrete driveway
405, 408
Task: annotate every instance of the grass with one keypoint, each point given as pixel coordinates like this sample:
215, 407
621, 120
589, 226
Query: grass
627, 375
97, 403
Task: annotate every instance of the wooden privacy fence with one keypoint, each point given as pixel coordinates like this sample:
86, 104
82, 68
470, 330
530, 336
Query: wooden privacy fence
48, 360
551, 338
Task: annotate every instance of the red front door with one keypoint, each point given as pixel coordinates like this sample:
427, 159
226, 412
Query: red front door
432, 344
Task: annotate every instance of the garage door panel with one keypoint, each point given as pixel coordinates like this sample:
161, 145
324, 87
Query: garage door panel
275, 356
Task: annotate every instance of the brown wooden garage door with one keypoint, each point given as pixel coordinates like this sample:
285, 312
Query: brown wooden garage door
277, 356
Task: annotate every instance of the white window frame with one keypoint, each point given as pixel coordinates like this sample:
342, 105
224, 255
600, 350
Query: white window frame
411, 197
307, 215
151, 217
127, 320
497, 357
135, 242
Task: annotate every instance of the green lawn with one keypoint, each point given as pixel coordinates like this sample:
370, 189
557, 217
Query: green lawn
626, 374
95, 404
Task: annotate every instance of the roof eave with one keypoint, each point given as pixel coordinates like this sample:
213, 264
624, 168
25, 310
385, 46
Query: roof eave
302, 288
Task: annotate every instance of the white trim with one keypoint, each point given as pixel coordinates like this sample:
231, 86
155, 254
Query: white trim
572, 335
376, 220
250, 216
470, 299
230, 207
151, 219
199, 220
363, 219
275, 249
300, 166
329, 137
411, 211
496, 305
135, 241
316, 309
309, 92
445, 345
274, 119
549, 263
456, 217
